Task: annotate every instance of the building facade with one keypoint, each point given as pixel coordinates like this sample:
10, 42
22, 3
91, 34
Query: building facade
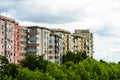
10, 39
38, 40
16, 41
16, 57
67, 37
7, 37
55, 48
23, 41
87, 41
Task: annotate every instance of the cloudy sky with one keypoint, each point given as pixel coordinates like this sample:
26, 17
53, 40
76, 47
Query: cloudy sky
102, 17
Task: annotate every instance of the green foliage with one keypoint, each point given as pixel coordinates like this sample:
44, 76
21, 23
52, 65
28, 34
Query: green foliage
55, 71
68, 57
3, 60
33, 62
26, 74
41, 63
75, 57
75, 67
10, 70
29, 61
5, 77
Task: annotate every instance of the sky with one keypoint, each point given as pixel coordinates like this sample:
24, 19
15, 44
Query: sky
101, 17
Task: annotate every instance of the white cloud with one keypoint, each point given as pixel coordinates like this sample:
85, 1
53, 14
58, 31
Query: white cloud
107, 48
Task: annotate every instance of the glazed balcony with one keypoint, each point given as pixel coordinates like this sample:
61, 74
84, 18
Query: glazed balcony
33, 50
33, 33
33, 39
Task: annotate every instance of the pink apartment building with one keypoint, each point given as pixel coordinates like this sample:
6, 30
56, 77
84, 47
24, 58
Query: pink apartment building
10, 38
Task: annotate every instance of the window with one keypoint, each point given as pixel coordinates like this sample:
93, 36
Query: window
2, 46
22, 36
1, 41
21, 48
50, 57
56, 57
33, 30
50, 46
21, 54
2, 32
2, 26
1, 52
22, 30
22, 42
8, 33
50, 52
9, 26
50, 41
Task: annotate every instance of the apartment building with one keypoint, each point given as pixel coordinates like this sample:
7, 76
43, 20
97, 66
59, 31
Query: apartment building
55, 48
23, 41
16, 56
16, 40
78, 43
7, 37
38, 40
71, 42
10, 39
88, 40
66, 36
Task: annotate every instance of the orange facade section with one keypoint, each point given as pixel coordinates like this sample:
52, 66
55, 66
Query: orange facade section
16, 44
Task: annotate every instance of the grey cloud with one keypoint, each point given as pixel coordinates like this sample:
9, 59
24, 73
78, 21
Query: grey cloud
48, 18
24, 12
104, 30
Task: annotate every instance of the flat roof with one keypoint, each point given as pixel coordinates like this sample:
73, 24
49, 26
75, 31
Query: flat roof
60, 30
38, 27
7, 18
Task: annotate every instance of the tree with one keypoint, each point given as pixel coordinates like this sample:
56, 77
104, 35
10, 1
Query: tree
71, 56
41, 63
53, 69
33, 62
3, 62
29, 61
119, 62
26, 74
10, 70
80, 56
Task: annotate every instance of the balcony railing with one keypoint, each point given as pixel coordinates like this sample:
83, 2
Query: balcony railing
34, 39
33, 50
33, 33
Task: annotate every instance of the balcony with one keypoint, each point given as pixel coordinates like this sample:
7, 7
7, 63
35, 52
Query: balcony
33, 33
33, 39
23, 51
33, 43
33, 50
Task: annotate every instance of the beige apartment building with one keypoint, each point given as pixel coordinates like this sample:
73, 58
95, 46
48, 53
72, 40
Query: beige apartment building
88, 41
78, 43
67, 39
71, 42
55, 50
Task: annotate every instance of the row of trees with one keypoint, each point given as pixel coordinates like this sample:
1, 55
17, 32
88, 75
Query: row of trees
75, 67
